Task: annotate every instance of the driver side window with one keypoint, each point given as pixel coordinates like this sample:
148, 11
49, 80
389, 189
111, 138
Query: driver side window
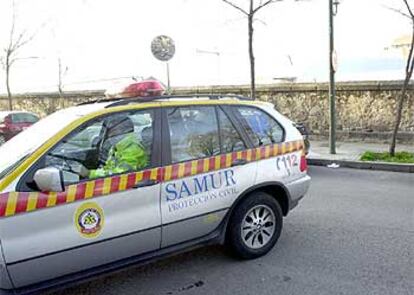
115, 144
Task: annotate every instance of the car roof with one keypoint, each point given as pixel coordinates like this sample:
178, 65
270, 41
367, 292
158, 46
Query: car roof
170, 99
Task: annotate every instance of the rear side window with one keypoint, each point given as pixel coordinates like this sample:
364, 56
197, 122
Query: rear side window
193, 133
260, 127
231, 140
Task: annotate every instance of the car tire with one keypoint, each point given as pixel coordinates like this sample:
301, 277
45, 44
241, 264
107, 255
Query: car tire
255, 226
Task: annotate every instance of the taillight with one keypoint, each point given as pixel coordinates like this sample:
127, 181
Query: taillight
303, 164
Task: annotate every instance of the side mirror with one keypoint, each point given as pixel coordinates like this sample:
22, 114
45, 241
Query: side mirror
49, 179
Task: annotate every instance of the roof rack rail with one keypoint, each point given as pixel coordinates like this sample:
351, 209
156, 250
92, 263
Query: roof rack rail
99, 100
126, 101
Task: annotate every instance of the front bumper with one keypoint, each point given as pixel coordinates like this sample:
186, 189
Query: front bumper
297, 190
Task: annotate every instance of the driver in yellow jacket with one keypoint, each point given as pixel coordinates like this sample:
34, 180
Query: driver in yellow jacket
125, 154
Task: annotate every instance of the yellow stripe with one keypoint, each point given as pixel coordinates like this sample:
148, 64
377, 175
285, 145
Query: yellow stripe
107, 186
51, 200
258, 156
206, 165
194, 165
239, 155
71, 194
181, 170
32, 201
154, 174
168, 171
275, 150
90, 186
11, 203
249, 155
267, 152
283, 149
123, 182
228, 160
217, 162
139, 176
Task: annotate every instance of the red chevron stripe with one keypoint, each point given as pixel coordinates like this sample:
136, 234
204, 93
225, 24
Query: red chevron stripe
98, 188
3, 203
42, 201
115, 184
61, 198
22, 202
80, 191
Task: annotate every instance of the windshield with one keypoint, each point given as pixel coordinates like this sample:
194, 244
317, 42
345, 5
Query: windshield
26, 142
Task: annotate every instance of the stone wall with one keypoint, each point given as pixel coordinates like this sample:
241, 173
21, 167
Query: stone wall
364, 109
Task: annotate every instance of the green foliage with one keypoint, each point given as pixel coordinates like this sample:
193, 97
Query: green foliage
400, 157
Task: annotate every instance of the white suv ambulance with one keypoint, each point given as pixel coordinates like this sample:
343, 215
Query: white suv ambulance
80, 196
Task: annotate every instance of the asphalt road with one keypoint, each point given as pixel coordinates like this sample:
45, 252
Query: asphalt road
352, 234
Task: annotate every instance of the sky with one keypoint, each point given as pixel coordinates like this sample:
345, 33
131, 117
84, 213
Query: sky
104, 42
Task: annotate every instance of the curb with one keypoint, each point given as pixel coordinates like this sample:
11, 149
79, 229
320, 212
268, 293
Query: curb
383, 166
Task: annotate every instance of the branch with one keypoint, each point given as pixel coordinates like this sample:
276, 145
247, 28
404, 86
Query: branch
260, 21
398, 11
409, 9
235, 6
410, 60
263, 5
12, 61
12, 27
20, 42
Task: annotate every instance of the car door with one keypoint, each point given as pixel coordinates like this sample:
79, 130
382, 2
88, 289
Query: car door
208, 165
95, 221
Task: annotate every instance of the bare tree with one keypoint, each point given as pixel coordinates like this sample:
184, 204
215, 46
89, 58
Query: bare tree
409, 67
11, 52
250, 14
62, 71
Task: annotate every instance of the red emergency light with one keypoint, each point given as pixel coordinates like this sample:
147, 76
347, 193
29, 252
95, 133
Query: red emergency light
144, 88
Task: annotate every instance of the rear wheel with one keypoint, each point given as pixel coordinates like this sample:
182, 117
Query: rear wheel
255, 226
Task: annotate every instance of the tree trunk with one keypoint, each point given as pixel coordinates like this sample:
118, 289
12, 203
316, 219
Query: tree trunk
60, 88
408, 75
251, 58
9, 95
399, 115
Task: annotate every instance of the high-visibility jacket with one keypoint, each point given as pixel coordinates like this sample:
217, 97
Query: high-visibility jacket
127, 155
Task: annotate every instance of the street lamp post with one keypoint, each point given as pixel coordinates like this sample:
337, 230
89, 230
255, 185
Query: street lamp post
333, 8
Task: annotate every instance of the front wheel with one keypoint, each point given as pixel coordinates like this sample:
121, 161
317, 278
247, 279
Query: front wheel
255, 226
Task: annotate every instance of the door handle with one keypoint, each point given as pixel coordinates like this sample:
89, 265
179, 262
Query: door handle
145, 183
239, 162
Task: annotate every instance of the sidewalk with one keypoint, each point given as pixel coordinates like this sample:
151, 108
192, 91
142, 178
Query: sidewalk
348, 155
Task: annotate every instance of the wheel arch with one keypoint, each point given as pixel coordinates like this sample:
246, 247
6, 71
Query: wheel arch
275, 189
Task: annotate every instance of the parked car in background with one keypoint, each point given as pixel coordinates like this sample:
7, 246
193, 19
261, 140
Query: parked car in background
12, 123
